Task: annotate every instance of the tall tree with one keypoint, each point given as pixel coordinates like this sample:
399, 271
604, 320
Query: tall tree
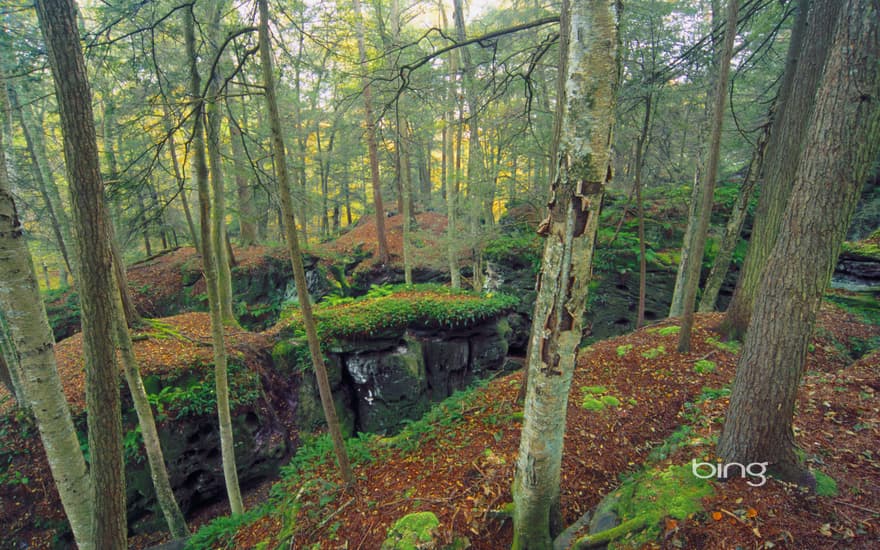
214, 119
29, 332
293, 250
710, 174
783, 152
842, 142
209, 265
58, 25
382, 241
586, 91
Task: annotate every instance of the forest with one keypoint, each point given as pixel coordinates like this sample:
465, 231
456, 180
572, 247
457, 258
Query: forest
437, 274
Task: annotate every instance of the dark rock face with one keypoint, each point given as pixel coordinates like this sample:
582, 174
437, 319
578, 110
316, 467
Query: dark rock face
191, 446
857, 273
378, 384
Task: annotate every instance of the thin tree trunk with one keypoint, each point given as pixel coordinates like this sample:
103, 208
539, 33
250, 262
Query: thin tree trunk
181, 189
209, 264
695, 259
733, 228
60, 32
842, 142
796, 98
586, 90
43, 180
218, 210
34, 366
382, 242
158, 472
246, 211
293, 248
641, 149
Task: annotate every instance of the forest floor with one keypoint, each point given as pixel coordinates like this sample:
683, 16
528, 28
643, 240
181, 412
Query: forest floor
462, 467
461, 464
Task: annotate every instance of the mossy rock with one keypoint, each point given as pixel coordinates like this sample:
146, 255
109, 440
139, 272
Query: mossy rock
415, 531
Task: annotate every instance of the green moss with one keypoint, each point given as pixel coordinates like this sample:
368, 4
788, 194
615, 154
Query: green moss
595, 390
648, 497
592, 404
654, 353
610, 401
624, 349
825, 484
666, 331
704, 366
421, 306
412, 531
731, 346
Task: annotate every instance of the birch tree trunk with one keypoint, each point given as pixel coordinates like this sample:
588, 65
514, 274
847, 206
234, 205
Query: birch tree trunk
209, 264
842, 142
293, 249
587, 85
34, 361
60, 31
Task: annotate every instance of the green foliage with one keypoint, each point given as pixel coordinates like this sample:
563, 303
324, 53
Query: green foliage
826, 486
624, 349
517, 249
678, 439
709, 394
220, 532
131, 446
198, 396
704, 366
411, 532
868, 248
594, 389
395, 308
654, 353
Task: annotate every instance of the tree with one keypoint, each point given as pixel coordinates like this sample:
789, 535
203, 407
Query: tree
209, 265
783, 152
695, 258
586, 91
371, 137
40, 385
293, 248
58, 25
842, 142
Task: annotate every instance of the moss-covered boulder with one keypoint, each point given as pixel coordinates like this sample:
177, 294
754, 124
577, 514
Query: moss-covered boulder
416, 531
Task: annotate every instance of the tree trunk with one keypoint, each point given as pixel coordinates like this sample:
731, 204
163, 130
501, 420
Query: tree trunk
382, 241
40, 387
641, 147
451, 183
733, 228
218, 210
842, 142
586, 91
783, 150
710, 174
181, 183
475, 172
58, 24
43, 180
293, 248
158, 473
246, 211
209, 264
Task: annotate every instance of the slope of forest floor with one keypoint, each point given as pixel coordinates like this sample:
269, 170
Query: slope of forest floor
459, 464
459, 461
